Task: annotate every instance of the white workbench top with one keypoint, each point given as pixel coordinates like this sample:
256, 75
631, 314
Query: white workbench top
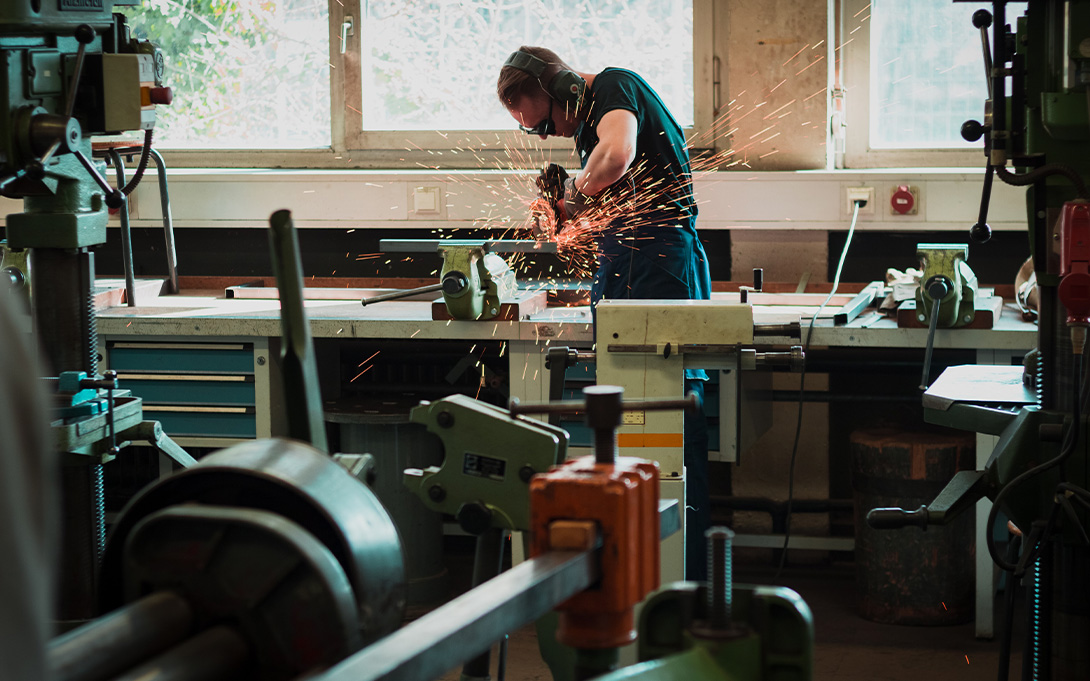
209, 313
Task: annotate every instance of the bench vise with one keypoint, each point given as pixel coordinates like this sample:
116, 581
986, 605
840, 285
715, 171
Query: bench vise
948, 288
474, 280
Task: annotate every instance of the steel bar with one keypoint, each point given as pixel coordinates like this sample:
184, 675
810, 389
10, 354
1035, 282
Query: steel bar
406, 293
434, 245
689, 403
862, 300
126, 230
213, 655
168, 220
297, 363
469, 624
115, 642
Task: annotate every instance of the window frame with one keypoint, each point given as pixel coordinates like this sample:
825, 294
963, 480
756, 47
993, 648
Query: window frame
853, 150
352, 147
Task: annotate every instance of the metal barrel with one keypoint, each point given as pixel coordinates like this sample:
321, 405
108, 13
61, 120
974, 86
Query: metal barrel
906, 575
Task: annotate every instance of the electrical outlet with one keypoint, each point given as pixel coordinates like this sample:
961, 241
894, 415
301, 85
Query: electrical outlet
851, 194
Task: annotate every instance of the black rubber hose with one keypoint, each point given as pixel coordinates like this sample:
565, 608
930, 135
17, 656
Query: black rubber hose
1026, 179
145, 154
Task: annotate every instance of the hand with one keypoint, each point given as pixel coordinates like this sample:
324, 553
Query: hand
575, 201
551, 183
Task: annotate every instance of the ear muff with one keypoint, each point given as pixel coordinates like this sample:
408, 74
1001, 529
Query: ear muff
566, 87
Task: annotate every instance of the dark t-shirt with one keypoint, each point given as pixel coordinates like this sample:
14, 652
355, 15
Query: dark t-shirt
651, 249
661, 167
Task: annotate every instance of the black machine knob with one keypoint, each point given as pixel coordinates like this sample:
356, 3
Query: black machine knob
972, 130
454, 283
982, 18
980, 233
938, 287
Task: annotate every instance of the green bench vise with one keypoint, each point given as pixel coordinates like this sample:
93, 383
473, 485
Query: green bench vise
948, 287
475, 281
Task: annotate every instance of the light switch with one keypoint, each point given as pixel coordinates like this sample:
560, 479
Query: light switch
426, 200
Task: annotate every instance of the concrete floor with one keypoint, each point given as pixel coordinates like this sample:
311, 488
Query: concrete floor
847, 647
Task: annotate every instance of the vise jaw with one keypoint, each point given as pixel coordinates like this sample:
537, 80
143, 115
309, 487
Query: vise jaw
948, 280
474, 281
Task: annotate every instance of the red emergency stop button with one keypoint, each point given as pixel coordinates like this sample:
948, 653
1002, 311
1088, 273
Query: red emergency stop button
161, 95
903, 201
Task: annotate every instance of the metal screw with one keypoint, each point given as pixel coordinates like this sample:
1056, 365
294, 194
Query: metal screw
525, 473
719, 577
968, 318
261, 361
445, 419
436, 493
920, 317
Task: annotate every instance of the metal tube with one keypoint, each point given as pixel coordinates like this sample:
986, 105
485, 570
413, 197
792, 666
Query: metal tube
113, 643
126, 230
470, 623
297, 363
168, 220
398, 295
487, 563
214, 654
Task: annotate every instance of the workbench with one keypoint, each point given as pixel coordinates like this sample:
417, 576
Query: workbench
206, 321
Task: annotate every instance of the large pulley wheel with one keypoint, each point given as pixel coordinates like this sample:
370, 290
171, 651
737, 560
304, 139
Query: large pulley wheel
301, 491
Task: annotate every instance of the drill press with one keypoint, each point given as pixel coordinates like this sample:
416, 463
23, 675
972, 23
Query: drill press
70, 71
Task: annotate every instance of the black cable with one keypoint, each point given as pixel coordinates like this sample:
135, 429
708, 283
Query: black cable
802, 392
1026, 179
145, 154
1070, 440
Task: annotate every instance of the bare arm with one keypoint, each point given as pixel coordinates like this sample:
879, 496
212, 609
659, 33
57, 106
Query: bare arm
615, 151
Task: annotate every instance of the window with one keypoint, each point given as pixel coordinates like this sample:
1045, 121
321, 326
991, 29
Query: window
912, 73
395, 83
246, 74
435, 67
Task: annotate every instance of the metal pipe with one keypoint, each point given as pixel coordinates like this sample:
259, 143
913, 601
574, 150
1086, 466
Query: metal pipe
214, 654
470, 623
398, 295
126, 230
115, 642
168, 220
487, 563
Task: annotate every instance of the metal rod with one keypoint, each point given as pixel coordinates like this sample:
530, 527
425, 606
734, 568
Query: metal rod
126, 231
690, 403
297, 363
470, 623
215, 654
398, 295
434, 245
168, 219
487, 563
115, 642
925, 380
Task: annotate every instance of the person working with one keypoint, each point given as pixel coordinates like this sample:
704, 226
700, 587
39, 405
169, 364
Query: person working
634, 193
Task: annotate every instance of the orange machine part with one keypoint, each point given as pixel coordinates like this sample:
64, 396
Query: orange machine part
622, 499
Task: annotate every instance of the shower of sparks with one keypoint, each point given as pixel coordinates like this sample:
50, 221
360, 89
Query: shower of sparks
509, 207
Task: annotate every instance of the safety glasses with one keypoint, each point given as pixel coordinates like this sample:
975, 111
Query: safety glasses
546, 127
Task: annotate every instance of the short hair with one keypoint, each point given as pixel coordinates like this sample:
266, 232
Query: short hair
514, 83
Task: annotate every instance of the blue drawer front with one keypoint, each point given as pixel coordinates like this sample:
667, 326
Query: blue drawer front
231, 359
205, 424
167, 391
